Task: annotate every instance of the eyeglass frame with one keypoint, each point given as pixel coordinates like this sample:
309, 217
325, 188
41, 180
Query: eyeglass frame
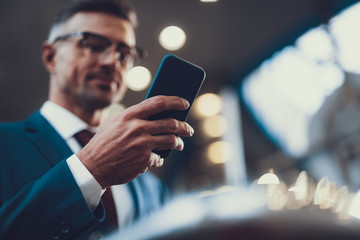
139, 52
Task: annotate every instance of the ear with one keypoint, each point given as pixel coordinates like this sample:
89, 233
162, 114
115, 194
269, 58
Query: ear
48, 52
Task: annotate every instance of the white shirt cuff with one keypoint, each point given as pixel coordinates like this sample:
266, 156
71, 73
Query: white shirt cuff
89, 187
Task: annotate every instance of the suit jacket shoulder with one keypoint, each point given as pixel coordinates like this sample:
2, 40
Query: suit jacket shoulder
39, 197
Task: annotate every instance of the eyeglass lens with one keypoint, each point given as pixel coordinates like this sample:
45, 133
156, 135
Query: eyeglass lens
95, 45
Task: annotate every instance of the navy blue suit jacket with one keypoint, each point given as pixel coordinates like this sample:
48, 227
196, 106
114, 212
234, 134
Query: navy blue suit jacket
39, 198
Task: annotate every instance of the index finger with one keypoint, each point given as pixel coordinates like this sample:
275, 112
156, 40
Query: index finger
159, 104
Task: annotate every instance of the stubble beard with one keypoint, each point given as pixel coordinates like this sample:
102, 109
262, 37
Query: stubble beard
89, 100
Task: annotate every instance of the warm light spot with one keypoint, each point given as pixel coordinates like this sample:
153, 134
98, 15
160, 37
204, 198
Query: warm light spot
112, 110
341, 200
301, 193
277, 196
214, 126
138, 78
354, 209
219, 152
172, 38
321, 191
325, 194
208, 104
301, 186
268, 178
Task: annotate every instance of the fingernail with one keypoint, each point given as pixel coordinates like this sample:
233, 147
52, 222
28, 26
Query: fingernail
180, 143
161, 161
191, 131
186, 103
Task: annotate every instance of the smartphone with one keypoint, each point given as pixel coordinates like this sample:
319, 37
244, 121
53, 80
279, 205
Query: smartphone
176, 77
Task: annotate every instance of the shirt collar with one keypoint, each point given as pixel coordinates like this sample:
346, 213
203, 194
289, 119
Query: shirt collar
65, 122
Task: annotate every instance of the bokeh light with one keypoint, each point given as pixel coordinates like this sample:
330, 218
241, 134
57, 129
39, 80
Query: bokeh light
208, 104
219, 152
172, 38
138, 78
341, 200
277, 196
269, 178
214, 126
112, 110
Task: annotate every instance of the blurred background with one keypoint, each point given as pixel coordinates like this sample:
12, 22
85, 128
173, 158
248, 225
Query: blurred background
281, 93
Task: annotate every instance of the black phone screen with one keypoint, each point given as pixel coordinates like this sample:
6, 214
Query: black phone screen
176, 77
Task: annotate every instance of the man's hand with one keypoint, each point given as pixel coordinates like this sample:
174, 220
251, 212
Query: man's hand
122, 148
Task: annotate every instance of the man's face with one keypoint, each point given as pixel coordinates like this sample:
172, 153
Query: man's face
91, 81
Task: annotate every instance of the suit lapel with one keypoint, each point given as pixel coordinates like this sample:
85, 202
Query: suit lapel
39, 131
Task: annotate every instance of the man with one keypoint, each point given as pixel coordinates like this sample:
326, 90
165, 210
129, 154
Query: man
47, 191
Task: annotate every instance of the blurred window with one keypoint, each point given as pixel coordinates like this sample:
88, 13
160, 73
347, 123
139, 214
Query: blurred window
288, 89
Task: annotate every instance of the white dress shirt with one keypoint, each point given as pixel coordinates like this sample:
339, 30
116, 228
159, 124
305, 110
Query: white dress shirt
67, 125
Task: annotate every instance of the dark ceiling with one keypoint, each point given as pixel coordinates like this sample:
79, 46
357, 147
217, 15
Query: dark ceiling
227, 38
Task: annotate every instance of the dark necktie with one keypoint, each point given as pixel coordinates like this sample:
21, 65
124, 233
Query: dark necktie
83, 137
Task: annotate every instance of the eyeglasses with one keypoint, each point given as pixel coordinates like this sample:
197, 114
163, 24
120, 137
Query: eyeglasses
97, 45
